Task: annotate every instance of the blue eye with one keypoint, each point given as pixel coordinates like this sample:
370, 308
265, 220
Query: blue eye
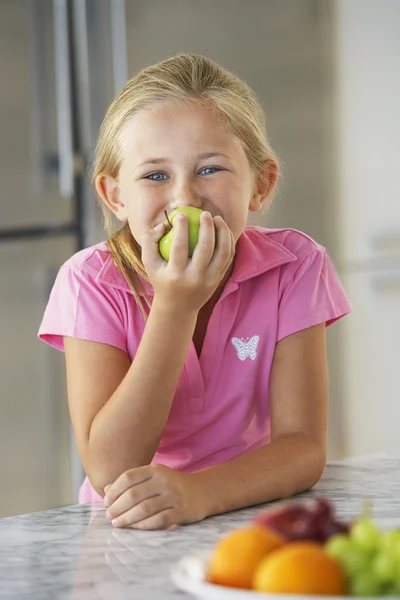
156, 176
210, 170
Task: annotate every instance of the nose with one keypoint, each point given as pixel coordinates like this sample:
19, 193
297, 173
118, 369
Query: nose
185, 193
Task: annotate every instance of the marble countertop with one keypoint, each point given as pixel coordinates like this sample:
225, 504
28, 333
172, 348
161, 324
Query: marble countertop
74, 553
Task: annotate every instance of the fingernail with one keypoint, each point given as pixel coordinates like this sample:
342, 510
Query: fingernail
114, 523
106, 501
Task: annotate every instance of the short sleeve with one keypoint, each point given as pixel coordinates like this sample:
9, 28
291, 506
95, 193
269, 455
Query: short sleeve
80, 307
311, 295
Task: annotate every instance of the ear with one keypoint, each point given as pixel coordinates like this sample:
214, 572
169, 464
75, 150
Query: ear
264, 185
110, 193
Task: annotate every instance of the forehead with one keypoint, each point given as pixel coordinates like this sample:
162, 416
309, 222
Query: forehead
178, 124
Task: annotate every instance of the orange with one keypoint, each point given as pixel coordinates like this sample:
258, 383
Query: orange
300, 568
237, 555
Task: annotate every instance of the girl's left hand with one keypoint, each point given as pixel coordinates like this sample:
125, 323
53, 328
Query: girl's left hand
154, 497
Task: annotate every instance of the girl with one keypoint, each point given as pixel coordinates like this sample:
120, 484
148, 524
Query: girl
199, 385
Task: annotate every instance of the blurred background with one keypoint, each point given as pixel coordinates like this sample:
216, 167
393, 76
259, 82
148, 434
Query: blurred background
327, 74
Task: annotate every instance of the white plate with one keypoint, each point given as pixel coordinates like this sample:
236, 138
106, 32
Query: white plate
189, 575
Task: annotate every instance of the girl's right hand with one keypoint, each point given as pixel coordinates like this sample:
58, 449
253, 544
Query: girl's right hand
184, 284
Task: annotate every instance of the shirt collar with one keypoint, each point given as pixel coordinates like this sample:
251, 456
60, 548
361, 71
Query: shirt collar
256, 253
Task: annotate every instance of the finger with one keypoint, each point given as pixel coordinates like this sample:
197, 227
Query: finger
133, 497
231, 254
233, 248
224, 250
143, 511
166, 519
228, 263
149, 244
204, 248
126, 481
179, 254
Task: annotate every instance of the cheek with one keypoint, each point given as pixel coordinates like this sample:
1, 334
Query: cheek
234, 205
145, 206
234, 199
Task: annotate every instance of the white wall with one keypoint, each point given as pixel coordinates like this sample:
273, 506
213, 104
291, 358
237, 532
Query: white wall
368, 210
368, 132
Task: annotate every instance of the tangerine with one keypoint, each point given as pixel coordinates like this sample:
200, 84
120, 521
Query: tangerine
238, 554
300, 568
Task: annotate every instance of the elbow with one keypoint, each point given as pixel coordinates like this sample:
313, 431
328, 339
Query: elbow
309, 466
98, 489
104, 466
104, 474
97, 470
316, 463
98, 481
317, 473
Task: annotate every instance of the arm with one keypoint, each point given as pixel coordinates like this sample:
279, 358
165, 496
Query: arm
155, 497
119, 410
295, 458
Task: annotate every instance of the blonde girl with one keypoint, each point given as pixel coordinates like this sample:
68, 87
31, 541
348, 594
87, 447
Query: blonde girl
199, 385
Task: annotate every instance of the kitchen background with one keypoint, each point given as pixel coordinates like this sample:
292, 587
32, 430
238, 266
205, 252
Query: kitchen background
327, 73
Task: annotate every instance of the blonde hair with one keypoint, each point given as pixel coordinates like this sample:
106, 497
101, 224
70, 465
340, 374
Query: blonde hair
182, 77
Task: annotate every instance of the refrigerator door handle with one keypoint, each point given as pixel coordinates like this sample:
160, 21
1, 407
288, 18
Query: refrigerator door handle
119, 45
63, 97
82, 76
39, 110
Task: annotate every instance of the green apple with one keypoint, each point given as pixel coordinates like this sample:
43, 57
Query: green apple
193, 214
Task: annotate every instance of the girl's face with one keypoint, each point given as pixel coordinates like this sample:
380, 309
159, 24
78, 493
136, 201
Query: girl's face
179, 154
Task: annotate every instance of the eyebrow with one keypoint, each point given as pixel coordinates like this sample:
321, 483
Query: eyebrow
157, 161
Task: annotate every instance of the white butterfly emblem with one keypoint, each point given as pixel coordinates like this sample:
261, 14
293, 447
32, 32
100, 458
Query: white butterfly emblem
246, 348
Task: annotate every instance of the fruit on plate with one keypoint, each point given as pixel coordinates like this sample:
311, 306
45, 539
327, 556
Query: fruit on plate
311, 519
300, 568
237, 555
193, 215
268, 557
370, 558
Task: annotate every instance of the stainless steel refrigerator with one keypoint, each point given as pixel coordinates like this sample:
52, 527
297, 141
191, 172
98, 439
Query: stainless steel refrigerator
61, 61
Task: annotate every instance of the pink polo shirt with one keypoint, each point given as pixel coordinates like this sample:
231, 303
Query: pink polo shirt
282, 282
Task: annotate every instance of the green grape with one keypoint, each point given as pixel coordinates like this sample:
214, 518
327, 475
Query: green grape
393, 588
365, 584
356, 562
385, 566
338, 545
366, 535
390, 542
343, 549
